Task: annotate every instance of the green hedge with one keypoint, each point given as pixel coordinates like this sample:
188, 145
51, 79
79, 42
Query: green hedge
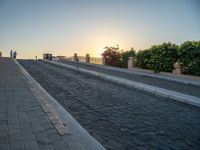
189, 57
143, 59
159, 57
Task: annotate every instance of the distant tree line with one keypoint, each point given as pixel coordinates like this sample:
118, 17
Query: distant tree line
158, 57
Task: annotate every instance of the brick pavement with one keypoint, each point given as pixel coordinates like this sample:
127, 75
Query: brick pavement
156, 91
120, 118
24, 122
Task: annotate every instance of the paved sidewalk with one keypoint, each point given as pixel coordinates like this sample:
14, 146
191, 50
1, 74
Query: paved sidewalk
184, 79
32, 123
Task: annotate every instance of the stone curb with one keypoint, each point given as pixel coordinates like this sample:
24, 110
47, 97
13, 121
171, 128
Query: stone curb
159, 92
123, 70
60, 118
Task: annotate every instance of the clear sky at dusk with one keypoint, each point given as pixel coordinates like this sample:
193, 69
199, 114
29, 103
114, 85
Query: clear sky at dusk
63, 27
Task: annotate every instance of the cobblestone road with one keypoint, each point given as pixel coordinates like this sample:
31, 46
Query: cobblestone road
120, 118
166, 84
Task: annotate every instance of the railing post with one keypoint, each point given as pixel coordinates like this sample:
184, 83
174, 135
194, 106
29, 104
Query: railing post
177, 68
131, 62
87, 58
75, 57
103, 61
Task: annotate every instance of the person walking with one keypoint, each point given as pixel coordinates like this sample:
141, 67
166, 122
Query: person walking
11, 54
14, 54
77, 63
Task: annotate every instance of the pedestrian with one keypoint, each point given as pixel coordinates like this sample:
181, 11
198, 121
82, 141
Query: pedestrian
14, 54
77, 63
11, 54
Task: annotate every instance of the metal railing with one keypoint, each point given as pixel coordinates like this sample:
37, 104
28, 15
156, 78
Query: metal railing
93, 60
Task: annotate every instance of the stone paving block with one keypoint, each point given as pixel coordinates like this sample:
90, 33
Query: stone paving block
3, 133
3, 127
39, 112
41, 138
13, 122
3, 116
3, 139
32, 114
4, 146
60, 145
15, 137
27, 132
47, 126
3, 122
17, 145
33, 119
13, 126
54, 137
50, 131
2, 109
44, 119
46, 147
22, 117
36, 126
31, 145
11, 112
20, 108
13, 131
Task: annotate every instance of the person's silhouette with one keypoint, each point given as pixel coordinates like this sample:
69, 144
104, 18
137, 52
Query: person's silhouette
11, 54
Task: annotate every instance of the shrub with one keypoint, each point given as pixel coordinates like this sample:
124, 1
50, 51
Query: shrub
143, 59
189, 57
112, 56
163, 57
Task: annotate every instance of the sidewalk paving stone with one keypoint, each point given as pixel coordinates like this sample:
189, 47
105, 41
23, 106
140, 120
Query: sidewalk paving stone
24, 124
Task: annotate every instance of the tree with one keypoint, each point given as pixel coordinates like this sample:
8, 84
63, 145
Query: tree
112, 56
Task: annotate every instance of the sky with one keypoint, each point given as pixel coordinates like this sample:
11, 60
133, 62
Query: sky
65, 27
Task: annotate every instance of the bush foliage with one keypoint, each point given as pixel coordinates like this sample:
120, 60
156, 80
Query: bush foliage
112, 56
117, 58
189, 57
159, 57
